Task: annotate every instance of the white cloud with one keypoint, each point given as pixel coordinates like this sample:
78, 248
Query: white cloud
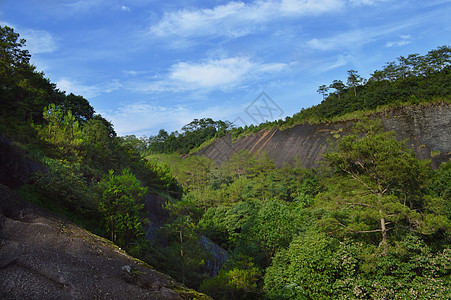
125, 8
210, 74
83, 5
87, 91
358, 37
39, 41
309, 7
333, 63
352, 39
236, 19
133, 73
404, 40
365, 2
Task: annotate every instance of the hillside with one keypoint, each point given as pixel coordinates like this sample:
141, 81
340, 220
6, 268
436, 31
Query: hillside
426, 129
43, 255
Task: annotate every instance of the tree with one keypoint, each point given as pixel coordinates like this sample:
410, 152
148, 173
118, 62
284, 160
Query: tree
439, 58
378, 179
339, 86
62, 130
97, 145
323, 89
404, 66
377, 75
183, 229
391, 71
274, 227
354, 80
120, 203
79, 106
136, 144
306, 270
237, 280
13, 59
23, 91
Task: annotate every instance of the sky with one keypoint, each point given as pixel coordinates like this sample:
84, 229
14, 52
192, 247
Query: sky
148, 64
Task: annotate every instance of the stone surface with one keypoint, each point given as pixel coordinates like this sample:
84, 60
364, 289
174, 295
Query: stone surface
426, 129
43, 256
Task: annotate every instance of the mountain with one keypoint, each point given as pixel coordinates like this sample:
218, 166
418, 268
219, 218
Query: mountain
426, 128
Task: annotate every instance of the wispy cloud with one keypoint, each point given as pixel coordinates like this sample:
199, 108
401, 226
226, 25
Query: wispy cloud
362, 36
125, 8
403, 40
39, 41
211, 74
87, 91
236, 19
83, 5
366, 2
358, 37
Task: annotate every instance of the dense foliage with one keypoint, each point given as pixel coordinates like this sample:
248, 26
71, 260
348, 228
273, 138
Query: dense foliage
373, 222
193, 135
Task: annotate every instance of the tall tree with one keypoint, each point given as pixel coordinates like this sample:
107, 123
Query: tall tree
377, 180
354, 80
120, 203
339, 86
13, 58
323, 89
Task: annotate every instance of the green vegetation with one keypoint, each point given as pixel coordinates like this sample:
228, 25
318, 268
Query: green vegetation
193, 135
120, 204
373, 222
408, 81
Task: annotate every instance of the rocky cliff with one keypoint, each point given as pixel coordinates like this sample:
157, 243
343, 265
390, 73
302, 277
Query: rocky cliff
426, 129
43, 256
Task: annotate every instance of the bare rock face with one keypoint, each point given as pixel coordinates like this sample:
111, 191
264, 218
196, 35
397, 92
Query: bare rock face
43, 256
426, 129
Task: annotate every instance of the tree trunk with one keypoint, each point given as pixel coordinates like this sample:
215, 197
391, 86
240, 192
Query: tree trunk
181, 252
383, 242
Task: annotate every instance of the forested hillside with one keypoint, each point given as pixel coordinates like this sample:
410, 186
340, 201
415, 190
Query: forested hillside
372, 222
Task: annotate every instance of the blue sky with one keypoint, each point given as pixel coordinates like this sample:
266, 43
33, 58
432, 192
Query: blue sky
146, 65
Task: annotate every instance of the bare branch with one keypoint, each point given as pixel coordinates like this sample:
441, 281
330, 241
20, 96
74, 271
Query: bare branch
359, 231
360, 204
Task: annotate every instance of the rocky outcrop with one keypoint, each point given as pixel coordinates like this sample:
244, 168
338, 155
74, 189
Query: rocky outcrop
43, 256
217, 255
426, 129
157, 215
